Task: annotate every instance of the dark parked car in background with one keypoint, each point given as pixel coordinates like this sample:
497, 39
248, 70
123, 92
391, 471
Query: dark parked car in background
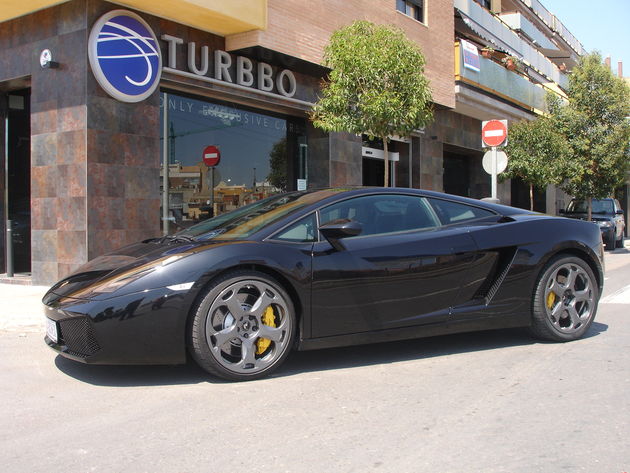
326, 268
606, 213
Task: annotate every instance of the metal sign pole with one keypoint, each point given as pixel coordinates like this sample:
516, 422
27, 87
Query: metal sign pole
494, 172
8, 223
211, 213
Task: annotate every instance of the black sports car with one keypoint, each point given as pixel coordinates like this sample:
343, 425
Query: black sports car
326, 268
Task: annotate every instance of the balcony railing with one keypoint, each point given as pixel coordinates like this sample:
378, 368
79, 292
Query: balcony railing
497, 80
517, 21
555, 24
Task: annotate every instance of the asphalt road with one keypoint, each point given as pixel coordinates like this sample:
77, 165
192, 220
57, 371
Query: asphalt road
486, 402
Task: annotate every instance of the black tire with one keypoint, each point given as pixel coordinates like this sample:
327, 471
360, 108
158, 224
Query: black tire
227, 328
619, 243
565, 299
610, 242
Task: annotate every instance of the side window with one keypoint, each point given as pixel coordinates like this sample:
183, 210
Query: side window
456, 212
381, 214
301, 231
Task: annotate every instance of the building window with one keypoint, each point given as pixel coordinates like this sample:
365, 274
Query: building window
413, 8
485, 3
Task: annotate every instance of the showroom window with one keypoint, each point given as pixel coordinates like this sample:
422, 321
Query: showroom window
249, 155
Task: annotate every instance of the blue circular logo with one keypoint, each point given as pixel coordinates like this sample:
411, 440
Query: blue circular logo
125, 56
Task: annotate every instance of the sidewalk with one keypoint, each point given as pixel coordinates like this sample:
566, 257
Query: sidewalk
21, 307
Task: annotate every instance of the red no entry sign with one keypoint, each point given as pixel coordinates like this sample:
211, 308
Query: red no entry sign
211, 156
494, 132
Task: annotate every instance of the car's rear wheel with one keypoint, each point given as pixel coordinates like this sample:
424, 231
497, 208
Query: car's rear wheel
243, 327
565, 299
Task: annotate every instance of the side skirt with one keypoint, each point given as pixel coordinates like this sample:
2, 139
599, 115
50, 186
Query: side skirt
407, 333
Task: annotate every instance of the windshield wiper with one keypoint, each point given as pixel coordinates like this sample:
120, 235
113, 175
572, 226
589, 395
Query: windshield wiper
176, 238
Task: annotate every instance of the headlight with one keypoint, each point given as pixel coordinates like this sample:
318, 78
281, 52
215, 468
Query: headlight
605, 223
120, 280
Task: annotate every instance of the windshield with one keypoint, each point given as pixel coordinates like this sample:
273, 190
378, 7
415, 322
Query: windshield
243, 222
604, 206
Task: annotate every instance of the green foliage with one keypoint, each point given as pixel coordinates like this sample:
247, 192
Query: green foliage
376, 85
536, 152
596, 129
278, 165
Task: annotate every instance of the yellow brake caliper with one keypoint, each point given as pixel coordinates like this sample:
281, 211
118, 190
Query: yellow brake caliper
268, 319
551, 299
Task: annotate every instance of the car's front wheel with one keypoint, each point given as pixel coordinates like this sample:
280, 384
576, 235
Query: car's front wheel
243, 327
565, 299
610, 241
619, 243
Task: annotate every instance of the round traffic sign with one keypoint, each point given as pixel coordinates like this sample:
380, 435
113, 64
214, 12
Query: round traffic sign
211, 156
502, 162
494, 132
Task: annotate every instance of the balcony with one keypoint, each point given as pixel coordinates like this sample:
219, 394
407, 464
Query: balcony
518, 22
495, 79
499, 33
554, 24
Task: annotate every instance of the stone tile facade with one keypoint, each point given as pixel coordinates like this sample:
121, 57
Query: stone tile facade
95, 161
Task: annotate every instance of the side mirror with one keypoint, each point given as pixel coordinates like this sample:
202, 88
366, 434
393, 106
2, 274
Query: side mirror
335, 230
619, 212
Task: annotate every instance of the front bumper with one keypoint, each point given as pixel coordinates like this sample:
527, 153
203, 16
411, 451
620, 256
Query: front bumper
141, 328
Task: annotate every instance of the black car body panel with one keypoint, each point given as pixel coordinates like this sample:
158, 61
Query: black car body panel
134, 305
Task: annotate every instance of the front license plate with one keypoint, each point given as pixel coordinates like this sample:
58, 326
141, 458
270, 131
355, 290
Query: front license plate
51, 330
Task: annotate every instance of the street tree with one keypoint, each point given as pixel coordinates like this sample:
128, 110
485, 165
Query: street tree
376, 85
595, 125
537, 153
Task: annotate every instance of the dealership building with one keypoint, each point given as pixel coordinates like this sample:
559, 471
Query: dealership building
123, 121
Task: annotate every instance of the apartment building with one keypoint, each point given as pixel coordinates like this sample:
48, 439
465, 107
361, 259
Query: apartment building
121, 121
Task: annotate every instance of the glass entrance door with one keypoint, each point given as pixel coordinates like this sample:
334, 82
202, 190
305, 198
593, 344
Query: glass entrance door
18, 177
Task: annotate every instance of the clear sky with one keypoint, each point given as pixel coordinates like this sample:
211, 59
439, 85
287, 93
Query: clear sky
602, 25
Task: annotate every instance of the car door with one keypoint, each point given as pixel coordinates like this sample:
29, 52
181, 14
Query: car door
404, 269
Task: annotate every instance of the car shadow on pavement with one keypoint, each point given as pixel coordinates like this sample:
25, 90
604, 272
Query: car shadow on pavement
421, 348
133, 375
311, 361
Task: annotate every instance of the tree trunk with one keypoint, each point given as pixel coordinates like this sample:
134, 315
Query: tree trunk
589, 200
386, 162
531, 197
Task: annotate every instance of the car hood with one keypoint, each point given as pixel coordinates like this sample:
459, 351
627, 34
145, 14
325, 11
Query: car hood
594, 217
137, 259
